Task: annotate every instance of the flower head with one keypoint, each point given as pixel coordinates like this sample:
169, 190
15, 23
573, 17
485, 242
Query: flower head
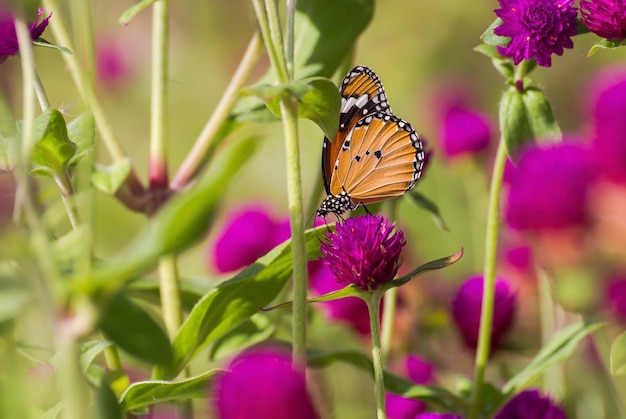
249, 234
608, 99
262, 383
420, 372
530, 404
548, 190
537, 28
605, 18
364, 251
8, 37
465, 131
467, 306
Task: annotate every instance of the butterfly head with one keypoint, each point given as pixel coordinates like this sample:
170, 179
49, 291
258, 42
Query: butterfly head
337, 204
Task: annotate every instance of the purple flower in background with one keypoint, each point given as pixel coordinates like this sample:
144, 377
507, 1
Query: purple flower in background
420, 372
530, 404
467, 306
608, 101
261, 383
615, 296
438, 416
349, 310
248, 234
465, 131
537, 28
605, 18
548, 190
364, 251
8, 37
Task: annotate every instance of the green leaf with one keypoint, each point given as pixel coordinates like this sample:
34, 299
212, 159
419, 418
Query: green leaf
147, 393
618, 355
133, 10
490, 38
605, 44
106, 402
109, 178
393, 383
13, 293
234, 301
135, 331
503, 65
90, 350
82, 132
53, 150
181, 222
540, 116
149, 290
43, 43
256, 329
514, 124
8, 153
558, 349
430, 266
429, 205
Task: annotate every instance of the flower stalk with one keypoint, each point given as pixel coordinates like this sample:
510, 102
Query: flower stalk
373, 306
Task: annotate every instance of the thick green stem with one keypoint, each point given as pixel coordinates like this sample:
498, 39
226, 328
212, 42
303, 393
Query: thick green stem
373, 306
205, 144
491, 248
170, 295
389, 310
158, 114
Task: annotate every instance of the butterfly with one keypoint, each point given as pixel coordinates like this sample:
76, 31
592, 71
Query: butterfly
375, 155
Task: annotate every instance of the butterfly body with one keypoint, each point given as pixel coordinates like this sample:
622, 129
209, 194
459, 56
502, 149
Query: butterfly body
375, 155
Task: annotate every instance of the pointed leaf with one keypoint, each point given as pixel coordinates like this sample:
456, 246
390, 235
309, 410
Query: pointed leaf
393, 383
147, 393
618, 355
135, 331
90, 350
53, 150
234, 301
43, 43
429, 205
82, 132
540, 117
133, 10
109, 178
559, 348
490, 38
604, 44
514, 124
430, 266
503, 65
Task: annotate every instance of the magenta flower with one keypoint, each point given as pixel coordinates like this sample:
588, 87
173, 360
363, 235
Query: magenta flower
608, 99
537, 28
438, 416
615, 296
548, 190
350, 310
605, 18
8, 37
364, 251
465, 131
467, 306
530, 404
261, 383
248, 234
420, 372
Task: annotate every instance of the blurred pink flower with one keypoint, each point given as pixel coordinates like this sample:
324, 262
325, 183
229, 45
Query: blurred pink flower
420, 372
246, 235
465, 131
467, 307
531, 404
113, 67
615, 297
261, 383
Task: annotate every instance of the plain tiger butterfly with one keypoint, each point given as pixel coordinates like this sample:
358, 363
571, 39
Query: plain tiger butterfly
375, 155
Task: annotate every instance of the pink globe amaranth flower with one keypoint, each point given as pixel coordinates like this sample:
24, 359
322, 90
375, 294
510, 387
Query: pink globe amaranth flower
467, 306
607, 91
530, 404
605, 18
248, 234
537, 28
615, 297
420, 372
364, 251
261, 383
438, 416
112, 65
465, 131
8, 37
548, 190
350, 310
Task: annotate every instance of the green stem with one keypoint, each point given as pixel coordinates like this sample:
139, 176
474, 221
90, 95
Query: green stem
158, 115
389, 309
269, 25
41, 93
491, 244
373, 306
553, 377
289, 37
603, 347
170, 295
205, 144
